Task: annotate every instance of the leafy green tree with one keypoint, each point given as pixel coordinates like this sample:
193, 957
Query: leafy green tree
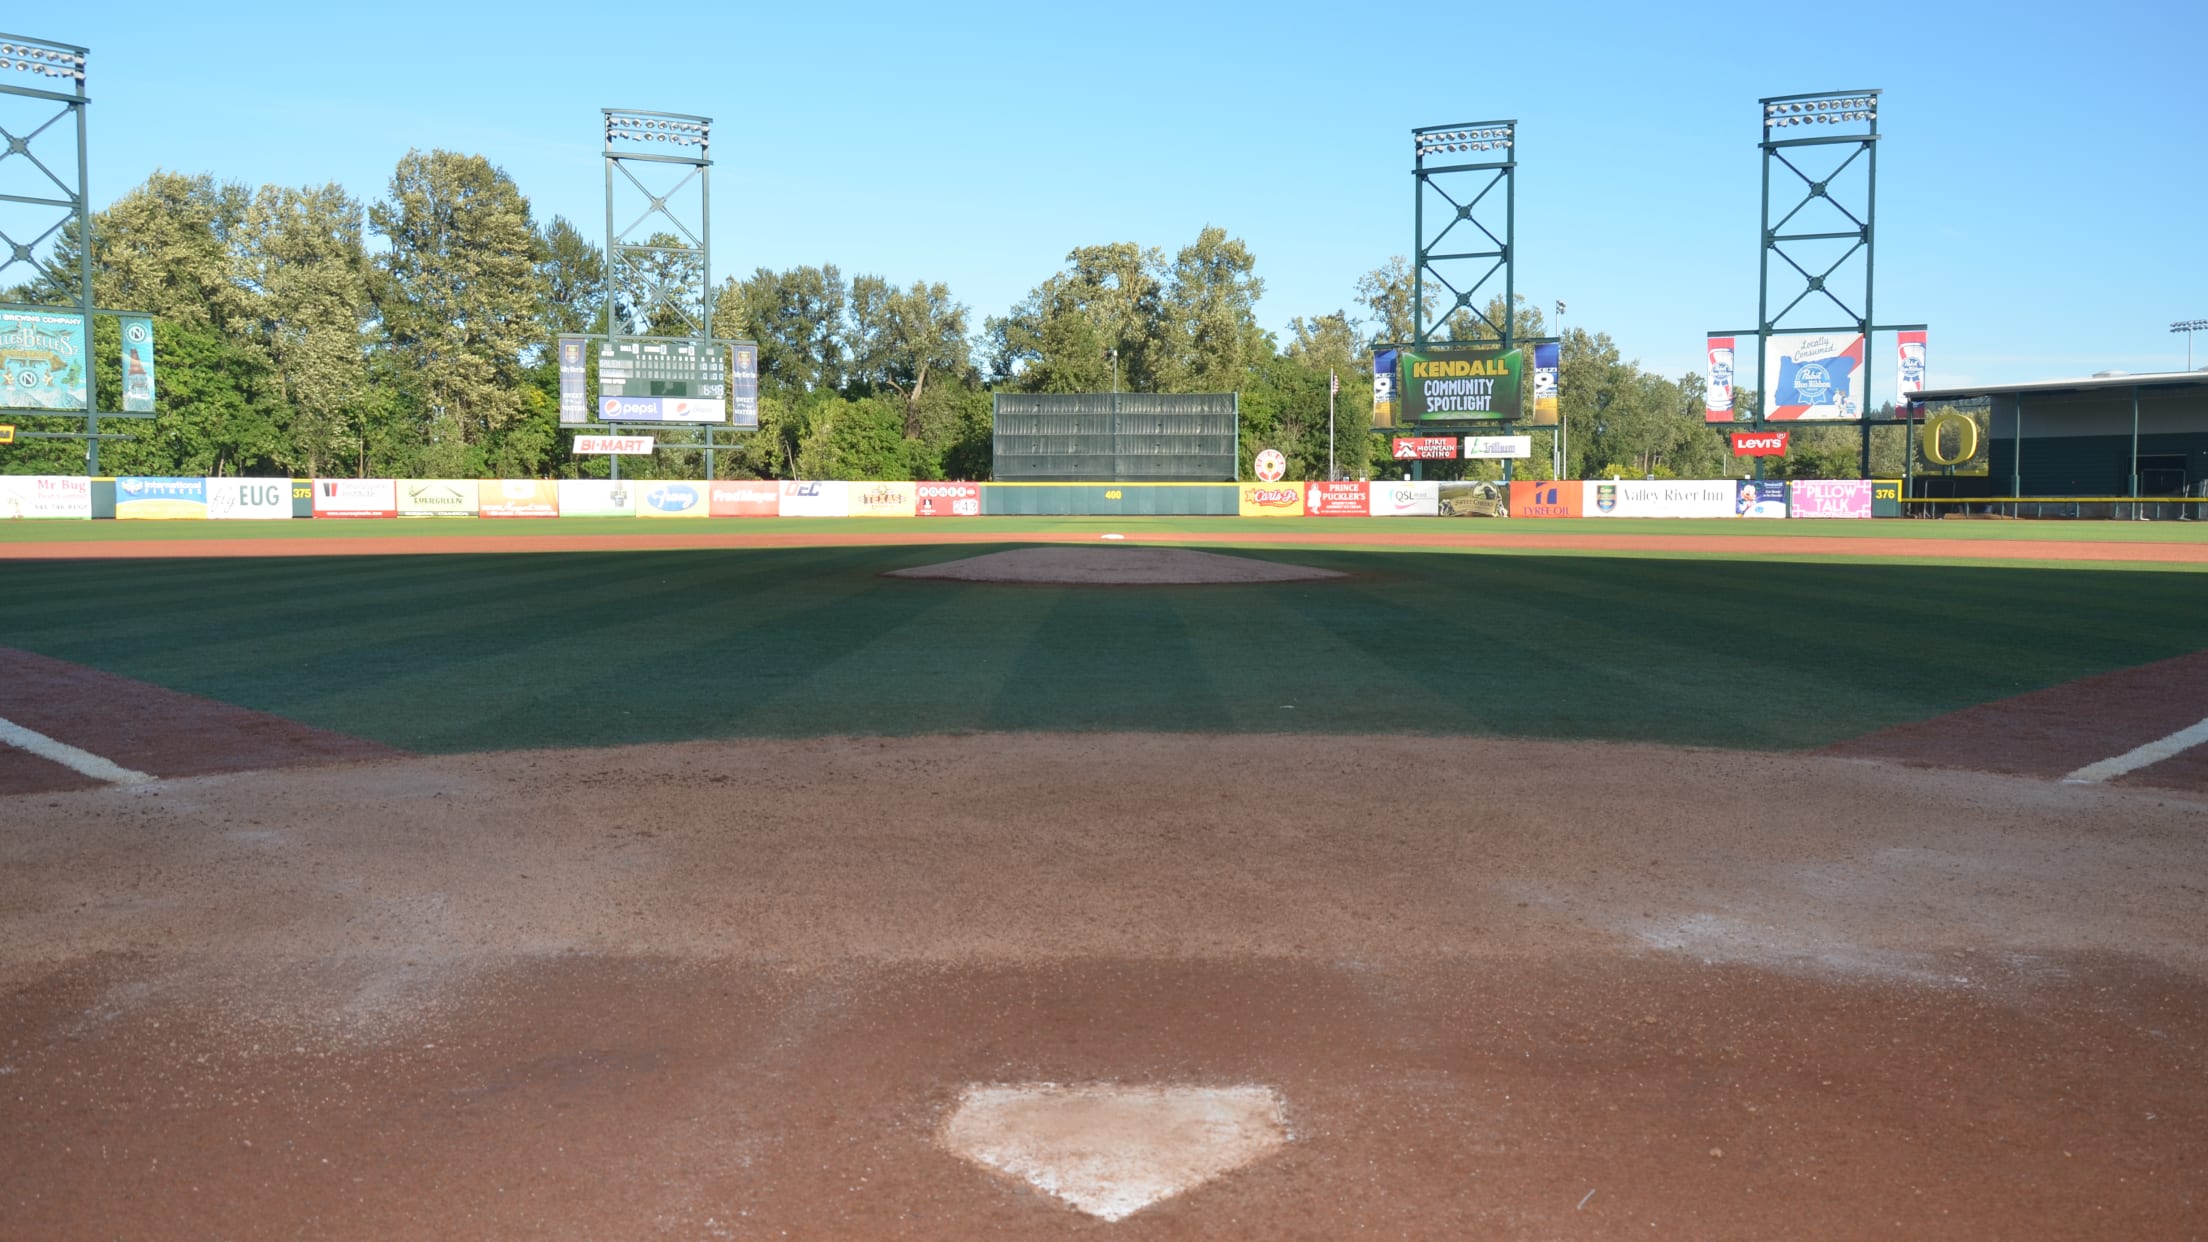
298, 257
571, 270
797, 317
899, 338
1210, 316
459, 298
1106, 307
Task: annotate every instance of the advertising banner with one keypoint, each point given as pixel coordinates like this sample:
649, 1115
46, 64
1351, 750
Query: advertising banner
139, 496
1717, 393
45, 496
137, 333
884, 500
574, 381
949, 499
437, 498
518, 498
672, 500
1546, 500
42, 365
825, 498
1336, 500
1813, 377
1909, 367
621, 446
240, 499
661, 410
1474, 498
1490, 448
1269, 500
598, 497
356, 498
1424, 448
743, 385
1446, 383
1760, 443
1548, 371
1831, 498
1713, 498
1761, 498
744, 498
1406, 499
1384, 405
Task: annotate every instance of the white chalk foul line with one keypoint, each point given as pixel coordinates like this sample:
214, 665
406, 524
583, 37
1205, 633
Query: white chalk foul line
83, 762
2132, 760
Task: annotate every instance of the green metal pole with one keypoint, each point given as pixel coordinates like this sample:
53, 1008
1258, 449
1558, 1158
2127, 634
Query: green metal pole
1870, 256
2135, 442
2016, 469
705, 296
613, 326
84, 289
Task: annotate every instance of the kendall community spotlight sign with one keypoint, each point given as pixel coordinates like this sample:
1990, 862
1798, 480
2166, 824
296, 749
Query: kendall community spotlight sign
1461, 383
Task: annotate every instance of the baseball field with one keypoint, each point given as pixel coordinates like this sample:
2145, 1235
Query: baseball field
1594, 878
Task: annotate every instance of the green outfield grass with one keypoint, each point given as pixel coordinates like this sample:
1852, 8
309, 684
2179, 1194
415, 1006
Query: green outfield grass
1314, 529
455, 653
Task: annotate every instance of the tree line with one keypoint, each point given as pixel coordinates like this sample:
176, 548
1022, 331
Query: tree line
305, 331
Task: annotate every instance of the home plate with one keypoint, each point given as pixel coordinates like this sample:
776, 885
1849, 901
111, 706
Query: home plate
1113, 1151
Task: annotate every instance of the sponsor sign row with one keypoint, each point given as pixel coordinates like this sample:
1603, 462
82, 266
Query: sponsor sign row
147, 497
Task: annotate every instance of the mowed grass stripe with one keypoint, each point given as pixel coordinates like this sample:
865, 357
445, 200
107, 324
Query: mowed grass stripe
468, 652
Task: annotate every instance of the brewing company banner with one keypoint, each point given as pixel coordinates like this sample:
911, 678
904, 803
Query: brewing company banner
1813, 376
1717, 399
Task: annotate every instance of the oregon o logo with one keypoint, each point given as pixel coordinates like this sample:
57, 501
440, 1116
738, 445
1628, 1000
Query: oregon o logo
1966, 439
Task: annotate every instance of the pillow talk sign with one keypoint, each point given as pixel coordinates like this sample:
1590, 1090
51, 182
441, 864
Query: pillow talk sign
1462, 382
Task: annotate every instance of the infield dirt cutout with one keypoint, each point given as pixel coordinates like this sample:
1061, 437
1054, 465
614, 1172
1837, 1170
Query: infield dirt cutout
1510, 989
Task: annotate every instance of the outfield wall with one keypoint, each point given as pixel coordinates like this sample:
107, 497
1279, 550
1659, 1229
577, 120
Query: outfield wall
151, 498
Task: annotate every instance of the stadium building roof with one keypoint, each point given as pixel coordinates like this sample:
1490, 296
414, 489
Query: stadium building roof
2095, 383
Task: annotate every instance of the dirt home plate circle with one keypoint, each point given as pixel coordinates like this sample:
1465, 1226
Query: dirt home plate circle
1271, 465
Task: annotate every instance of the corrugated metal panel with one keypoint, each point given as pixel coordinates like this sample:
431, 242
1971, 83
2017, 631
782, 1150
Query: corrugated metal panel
1132, 436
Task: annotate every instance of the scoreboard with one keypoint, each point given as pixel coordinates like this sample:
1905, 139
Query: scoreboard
676, 381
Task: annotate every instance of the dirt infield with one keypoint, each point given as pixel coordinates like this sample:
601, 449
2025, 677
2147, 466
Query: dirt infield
2063, 728
728, 990
1284, 533
146, 728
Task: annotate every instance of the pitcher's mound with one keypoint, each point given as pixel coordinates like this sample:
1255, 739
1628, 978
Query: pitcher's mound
1113, 567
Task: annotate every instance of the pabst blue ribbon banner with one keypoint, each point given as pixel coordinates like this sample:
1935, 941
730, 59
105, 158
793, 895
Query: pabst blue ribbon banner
1909, 366
1814, 376
1717, 400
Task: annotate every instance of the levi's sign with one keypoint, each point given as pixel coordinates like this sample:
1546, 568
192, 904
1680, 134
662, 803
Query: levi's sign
628, 445
1759, 443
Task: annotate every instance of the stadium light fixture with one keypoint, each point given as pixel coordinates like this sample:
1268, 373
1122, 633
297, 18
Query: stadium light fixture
1459, 139
644, 127
51, 60
2188, 327
1843, 108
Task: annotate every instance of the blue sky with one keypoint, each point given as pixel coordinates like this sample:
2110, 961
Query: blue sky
2041, 183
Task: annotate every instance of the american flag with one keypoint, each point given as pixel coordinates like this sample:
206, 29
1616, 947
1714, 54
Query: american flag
1333, 382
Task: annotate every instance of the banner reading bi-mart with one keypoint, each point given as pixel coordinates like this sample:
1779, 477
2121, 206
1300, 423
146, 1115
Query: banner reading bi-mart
1445, 383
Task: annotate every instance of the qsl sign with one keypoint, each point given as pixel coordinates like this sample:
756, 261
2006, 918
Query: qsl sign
1760, 443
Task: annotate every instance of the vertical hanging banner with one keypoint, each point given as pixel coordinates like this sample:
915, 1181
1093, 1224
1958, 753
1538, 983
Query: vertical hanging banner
574, 380
1909, 370
1814, 376
137, 364
1383, 388
743, 385
1547, 368
42, 361
1717, 399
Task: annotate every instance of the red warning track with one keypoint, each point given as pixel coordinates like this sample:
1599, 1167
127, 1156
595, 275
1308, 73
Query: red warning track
2058, 730
146, 728
1284, 534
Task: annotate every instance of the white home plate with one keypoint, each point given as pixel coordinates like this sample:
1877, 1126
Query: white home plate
1113, 1151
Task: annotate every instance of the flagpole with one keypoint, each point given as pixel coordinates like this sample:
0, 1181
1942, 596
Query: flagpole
1333, 385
